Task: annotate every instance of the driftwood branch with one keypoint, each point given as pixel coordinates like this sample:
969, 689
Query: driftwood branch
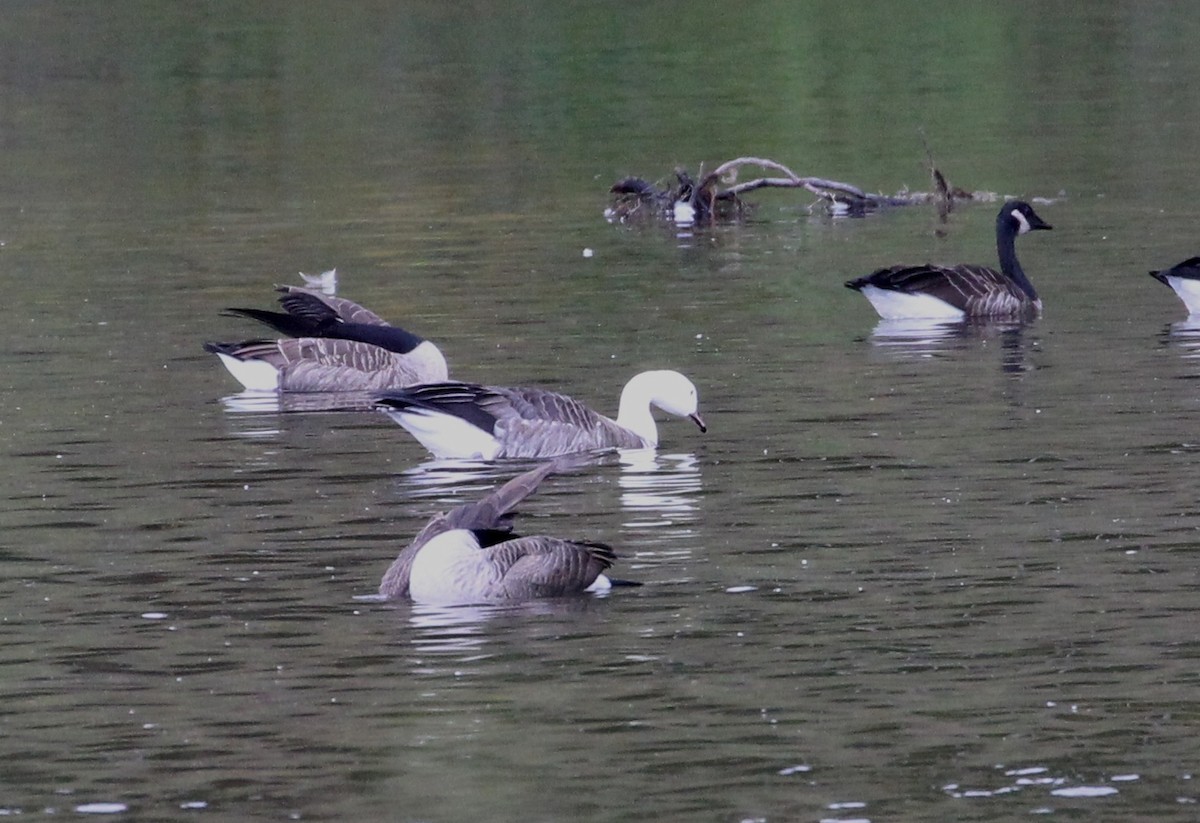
718, 194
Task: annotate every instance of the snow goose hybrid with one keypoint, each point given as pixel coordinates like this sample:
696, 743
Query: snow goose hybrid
490, 422
469, 555
956, 292
336, 345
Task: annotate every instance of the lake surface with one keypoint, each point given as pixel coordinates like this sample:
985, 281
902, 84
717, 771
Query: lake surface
906, 575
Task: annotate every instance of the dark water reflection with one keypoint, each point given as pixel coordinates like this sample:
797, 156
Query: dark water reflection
902, 339
908, 574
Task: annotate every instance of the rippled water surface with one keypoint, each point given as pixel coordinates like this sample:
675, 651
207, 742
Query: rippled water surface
910, 572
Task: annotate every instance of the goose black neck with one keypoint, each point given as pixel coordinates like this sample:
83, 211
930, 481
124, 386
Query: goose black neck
1006, 248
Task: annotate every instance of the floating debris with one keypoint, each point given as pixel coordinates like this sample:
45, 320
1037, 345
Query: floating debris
718, 196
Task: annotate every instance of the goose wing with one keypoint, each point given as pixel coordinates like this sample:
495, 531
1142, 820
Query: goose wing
1189, 269
308, 313
478, 405
971, 288
535, 422
331, 351
338, 317
493, 514
301, 299
279, 321
334, 364
541, 566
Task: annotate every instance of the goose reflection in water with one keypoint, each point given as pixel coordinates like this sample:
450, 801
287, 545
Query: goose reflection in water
924, 338
1184, 335
254, 415
464, 631
661, 485
659, 496
258, 402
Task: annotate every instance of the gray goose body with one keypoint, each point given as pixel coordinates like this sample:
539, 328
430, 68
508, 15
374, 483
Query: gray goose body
965, 290
470, 555
496, 422
335, 345
321, 364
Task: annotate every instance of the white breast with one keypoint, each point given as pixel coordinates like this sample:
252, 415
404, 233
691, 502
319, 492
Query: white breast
451, 570
1188, 290
898, 305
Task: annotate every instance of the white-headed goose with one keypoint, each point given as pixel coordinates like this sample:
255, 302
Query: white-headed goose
335, 345
955, 292
469, 555
490, 422
1184, 279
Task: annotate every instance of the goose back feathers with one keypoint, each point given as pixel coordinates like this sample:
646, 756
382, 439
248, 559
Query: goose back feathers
955, 292
471, 555
468, 420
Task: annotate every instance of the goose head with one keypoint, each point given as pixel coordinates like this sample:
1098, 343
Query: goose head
1018, 217
665, 389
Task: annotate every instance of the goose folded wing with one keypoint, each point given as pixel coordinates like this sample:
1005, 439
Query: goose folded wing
956, 285
329, 351
547, 566
303, 299
286, 324
534, 422
478, 405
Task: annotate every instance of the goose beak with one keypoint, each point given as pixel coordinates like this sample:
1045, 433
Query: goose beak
699, 421
1039, 223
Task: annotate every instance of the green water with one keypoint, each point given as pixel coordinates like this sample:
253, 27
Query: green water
916, 579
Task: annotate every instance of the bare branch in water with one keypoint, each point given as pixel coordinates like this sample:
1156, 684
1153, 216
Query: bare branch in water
718, 194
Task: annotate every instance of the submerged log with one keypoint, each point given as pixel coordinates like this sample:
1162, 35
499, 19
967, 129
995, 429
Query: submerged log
717, 196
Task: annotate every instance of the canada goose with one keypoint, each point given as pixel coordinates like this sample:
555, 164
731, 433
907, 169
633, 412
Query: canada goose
489, 422
1184, 279
469, 555
955, 292
337, 345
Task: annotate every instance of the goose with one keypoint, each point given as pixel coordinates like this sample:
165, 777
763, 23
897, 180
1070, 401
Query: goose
1184, 278
488, 422
334, 345
956, 292
469, 555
